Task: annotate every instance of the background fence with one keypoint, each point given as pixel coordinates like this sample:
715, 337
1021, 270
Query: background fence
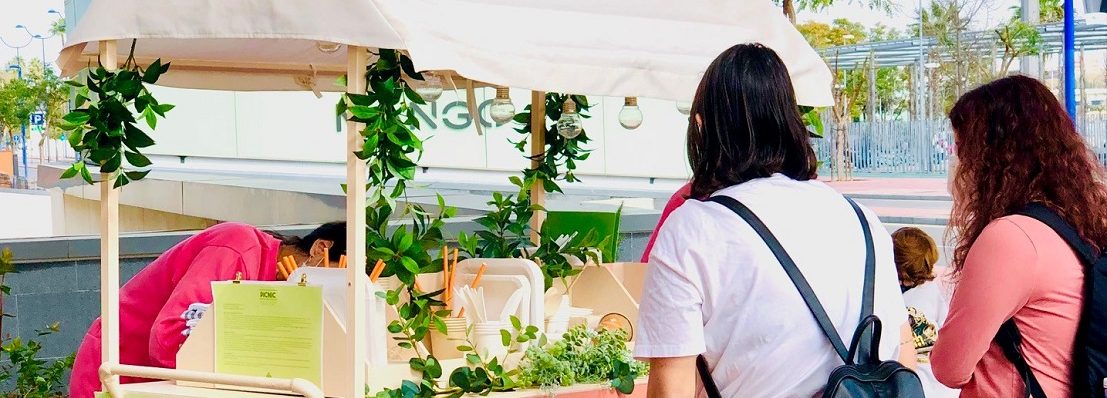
917, 148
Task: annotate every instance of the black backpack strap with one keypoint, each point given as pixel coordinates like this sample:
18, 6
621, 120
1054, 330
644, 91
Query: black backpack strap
1050, 218
705, 377
1010, 340
792, 270
870, 348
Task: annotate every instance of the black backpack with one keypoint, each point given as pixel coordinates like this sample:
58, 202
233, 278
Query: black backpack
1089, 361
864, 377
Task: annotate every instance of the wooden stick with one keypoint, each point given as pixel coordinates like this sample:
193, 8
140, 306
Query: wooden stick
480, 273
342, 261
326, 257
377, 269
291, 263
476, 281
453, 272
281, 271
446, 295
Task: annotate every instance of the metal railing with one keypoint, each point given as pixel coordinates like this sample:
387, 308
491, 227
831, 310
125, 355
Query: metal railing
921, 147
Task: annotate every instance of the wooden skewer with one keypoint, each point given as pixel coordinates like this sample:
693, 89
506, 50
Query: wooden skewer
377, 269
476, 281
326, 257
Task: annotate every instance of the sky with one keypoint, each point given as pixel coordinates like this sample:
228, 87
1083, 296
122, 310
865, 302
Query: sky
32, 14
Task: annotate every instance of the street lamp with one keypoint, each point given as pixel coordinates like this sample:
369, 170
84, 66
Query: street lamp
42, 40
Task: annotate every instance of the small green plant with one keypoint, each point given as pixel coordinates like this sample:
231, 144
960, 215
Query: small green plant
582, 356
34, 377
105, 132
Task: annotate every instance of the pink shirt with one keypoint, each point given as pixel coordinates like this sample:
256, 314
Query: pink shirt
675, 201
152, 303
1018, 266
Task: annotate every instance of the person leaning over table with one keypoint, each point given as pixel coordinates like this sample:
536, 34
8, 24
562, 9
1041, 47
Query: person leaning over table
157, 305
714, 288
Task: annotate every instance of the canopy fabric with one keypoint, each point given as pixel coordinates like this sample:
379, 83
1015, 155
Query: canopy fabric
647, 48
233, 44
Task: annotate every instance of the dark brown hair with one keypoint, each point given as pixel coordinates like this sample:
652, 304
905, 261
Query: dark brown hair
1017, 146
332, 231
915, 254
751, 126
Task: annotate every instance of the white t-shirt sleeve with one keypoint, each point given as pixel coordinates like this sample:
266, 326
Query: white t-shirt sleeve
670, 318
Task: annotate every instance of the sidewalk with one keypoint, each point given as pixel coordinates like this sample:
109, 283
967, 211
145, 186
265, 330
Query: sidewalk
895, 188
923, 201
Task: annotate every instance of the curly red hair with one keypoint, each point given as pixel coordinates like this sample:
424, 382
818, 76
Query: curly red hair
1016, 146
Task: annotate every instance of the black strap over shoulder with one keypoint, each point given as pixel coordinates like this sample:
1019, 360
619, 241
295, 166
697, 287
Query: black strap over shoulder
801, 283
1010, 340
1008, 337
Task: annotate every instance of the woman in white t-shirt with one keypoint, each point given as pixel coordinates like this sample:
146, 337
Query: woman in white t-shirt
714, 288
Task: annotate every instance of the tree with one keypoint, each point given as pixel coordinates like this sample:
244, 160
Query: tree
1018, 39
892, 90
959, 63
18, 100
789, 7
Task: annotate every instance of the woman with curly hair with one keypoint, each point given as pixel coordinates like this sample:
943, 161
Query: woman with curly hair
1016, 147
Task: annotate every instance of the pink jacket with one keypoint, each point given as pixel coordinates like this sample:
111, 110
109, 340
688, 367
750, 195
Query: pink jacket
152, 304
675, 201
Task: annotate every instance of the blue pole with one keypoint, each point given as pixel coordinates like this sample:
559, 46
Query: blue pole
1070, 61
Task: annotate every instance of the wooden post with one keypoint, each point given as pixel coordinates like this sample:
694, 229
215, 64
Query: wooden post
357, 59
109, 244
537, 148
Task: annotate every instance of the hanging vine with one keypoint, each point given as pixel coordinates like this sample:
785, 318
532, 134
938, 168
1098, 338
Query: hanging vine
103, 128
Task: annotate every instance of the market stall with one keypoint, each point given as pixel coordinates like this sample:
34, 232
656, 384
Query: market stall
272, 45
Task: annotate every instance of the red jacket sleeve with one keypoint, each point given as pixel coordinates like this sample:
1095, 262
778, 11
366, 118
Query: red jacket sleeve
996, 281
675, 201
213, 263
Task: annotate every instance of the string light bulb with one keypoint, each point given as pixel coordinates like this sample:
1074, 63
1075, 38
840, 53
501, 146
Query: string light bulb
569, 124
327, 47
684, 107
630, 117
430, 89
502, 110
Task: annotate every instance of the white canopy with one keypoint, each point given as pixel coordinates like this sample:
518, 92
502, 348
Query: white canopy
647, 48
233, 44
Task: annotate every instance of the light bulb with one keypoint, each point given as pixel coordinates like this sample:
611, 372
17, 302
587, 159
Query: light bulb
569, 124
630, 117
327, 47
430, 89
684, 107
502, 110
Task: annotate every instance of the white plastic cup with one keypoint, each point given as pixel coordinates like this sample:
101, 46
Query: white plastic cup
488, 339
